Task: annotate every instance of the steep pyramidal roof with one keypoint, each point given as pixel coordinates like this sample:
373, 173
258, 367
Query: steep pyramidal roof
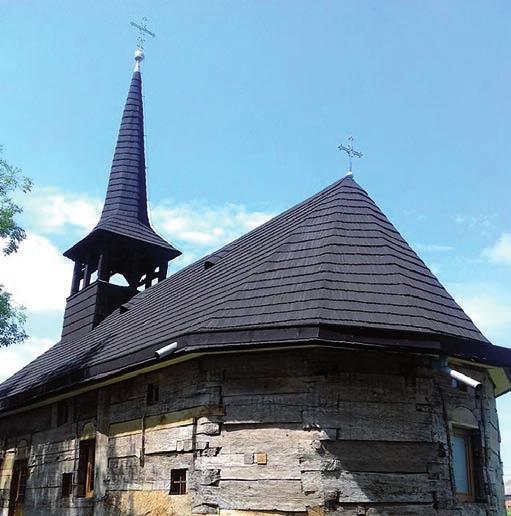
126, 193
332, 265
345, 264
125, 209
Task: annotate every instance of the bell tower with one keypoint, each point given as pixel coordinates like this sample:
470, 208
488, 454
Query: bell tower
123, 242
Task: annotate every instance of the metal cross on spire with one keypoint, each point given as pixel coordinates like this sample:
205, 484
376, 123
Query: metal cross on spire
142, 32
351, 152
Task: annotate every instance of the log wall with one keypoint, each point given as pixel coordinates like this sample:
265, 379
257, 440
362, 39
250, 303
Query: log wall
303, 432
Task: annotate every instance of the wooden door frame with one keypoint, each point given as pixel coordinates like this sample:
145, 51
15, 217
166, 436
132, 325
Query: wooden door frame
19, 467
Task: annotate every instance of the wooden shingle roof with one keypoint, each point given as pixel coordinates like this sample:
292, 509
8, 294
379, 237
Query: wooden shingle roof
332, 264
125, 209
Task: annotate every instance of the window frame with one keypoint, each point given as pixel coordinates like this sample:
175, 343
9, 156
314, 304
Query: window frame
468, 436
86, 468
18, 486
67, 485
178, 487
63, 412
152, 393
22, 469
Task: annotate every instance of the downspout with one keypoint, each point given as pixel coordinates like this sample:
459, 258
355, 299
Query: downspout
165, 351
442, 366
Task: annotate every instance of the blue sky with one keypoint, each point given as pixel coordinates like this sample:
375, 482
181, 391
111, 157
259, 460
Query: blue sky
245, 104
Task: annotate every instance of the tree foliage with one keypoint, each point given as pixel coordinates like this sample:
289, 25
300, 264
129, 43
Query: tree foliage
12, 320
12, 182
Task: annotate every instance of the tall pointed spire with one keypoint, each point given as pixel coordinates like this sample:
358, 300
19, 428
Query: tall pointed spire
127, 193
123, 242
125, 209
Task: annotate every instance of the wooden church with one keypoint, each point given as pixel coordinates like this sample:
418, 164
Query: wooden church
314, 366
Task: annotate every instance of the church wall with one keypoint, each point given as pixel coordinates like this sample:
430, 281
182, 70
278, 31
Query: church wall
303, 432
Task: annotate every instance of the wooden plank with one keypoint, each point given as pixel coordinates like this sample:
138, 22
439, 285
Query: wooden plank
235, 512
282, 408
128, 390
127, 410
257, 472
392, 510
372, 487
282, 441
275, 385
61, 433
124, 473
125, 445
49, 448
221, 460
373, 456
372, 387
124, 428
286, 495
356, 421
50, 474
181, 417
167, 439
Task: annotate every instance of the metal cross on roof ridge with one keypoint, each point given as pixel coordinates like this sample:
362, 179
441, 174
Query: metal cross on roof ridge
142, 30
351, 152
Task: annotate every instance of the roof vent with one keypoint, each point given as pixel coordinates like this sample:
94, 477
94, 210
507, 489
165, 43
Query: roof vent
132, 302
214, 258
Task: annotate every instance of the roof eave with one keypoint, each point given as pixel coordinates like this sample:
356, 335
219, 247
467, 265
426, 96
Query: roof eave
76, 251
258, 339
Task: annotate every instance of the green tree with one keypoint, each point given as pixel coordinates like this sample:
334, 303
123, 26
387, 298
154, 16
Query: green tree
12, 182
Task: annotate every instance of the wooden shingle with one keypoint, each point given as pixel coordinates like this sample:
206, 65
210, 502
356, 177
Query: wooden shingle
333, 262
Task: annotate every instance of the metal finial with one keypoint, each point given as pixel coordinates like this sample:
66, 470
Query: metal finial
350, 151
142, 31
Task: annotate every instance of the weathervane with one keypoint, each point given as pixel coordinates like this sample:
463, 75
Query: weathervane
350, 151
142, 32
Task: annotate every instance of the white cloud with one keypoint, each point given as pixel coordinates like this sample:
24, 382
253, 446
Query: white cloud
205, 226
479, 222
500, 252
488, 312
185, 259
48, 210
14, 357
37, 276
489, 306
